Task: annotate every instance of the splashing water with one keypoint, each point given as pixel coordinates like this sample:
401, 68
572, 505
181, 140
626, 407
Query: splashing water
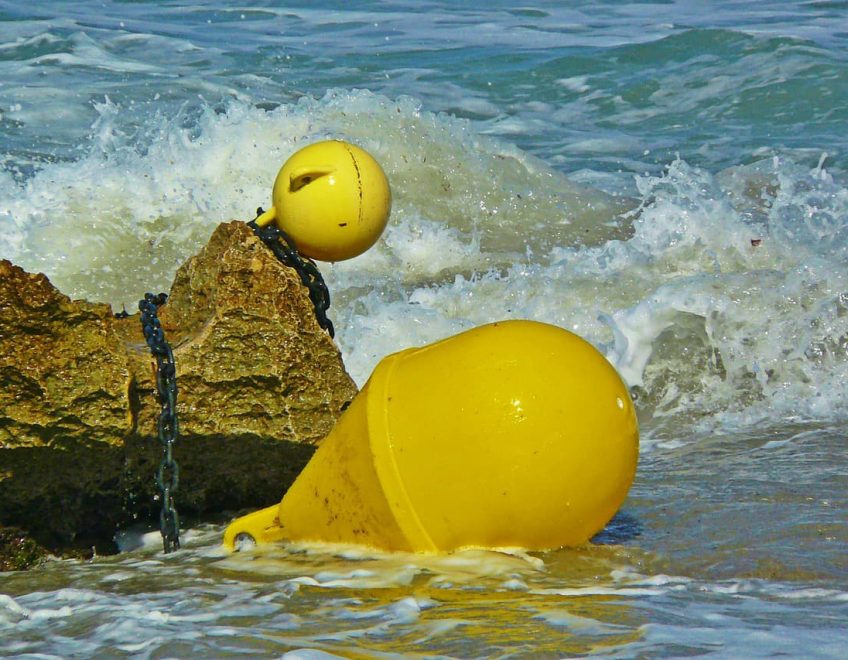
699, 240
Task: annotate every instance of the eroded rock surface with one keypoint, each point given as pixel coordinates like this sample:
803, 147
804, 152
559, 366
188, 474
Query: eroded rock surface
259, 384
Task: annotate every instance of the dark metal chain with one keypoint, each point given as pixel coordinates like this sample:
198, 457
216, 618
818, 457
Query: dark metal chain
168, 474
286, 251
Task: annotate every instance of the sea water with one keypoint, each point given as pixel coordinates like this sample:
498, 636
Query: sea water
666, 179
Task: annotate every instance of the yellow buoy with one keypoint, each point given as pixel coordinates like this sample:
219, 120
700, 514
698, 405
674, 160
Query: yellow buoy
514, 434
332, 198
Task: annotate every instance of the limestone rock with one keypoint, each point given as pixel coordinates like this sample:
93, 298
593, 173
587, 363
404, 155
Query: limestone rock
282, 379
62, 368
259, 384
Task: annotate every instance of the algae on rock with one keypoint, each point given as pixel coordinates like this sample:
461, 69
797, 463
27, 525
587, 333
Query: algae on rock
18, 552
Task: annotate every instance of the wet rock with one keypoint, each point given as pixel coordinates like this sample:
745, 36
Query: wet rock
62, 369
259, 384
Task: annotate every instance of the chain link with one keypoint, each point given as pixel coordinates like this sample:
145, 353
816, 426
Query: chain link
286, 251
168, 474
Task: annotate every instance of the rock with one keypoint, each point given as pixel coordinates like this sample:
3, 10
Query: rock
62, 369
259, 384
64, 384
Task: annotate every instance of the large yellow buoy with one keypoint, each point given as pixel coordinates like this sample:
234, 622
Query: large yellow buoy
514, 434
332, 198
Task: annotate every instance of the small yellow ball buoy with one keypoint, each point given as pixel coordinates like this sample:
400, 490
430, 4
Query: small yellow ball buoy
332, 198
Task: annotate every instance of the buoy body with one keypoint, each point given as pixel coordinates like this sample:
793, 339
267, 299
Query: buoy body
332, 198
514, 434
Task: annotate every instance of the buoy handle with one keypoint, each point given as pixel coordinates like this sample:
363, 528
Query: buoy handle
267, 217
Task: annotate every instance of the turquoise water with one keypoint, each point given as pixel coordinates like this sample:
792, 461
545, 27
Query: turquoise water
514, 137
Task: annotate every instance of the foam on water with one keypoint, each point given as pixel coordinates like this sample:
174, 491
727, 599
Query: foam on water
340, 600
721, 297
729, 309
140, 202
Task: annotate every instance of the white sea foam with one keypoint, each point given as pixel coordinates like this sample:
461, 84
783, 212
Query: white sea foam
721, 297
709, 312
366, 597
139, 203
